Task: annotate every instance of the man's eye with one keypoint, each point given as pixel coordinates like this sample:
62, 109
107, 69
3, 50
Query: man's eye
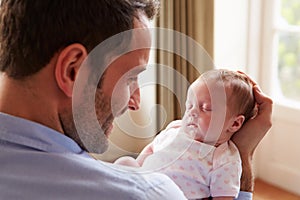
131, 80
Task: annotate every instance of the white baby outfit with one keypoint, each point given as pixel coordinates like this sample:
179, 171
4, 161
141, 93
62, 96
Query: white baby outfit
199, 169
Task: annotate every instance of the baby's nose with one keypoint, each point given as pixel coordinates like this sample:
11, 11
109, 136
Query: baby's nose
191, 119
193, 112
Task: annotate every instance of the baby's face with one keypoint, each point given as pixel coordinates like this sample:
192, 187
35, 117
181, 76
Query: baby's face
205, 118
198, 110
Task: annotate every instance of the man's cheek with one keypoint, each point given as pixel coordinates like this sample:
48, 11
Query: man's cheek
120, 99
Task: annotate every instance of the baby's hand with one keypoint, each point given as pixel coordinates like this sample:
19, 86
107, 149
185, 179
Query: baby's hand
127, 161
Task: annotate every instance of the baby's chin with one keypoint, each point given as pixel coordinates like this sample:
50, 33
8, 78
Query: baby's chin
194, 132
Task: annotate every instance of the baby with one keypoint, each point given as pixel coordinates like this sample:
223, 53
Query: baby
196, 152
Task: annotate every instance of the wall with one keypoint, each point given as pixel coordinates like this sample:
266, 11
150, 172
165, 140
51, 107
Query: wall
237, 35
278, 156
231, 34
242, 42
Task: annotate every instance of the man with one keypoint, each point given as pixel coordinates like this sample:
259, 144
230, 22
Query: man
43, 49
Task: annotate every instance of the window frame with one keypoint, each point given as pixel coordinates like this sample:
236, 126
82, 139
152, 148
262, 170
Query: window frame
269, 58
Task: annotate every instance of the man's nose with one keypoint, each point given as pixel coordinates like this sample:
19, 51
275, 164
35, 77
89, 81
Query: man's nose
134, 101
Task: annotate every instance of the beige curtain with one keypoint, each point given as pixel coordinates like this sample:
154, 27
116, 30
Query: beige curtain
193, 18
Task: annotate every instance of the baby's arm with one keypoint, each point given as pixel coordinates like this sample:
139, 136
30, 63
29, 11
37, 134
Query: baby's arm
138, 162
127, 161
148, 150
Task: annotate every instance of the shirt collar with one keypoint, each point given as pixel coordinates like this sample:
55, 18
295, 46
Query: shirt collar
31, 134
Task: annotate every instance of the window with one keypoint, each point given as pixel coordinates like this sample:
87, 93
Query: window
286, 28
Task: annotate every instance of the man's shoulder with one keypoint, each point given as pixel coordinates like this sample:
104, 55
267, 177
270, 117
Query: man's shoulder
35, 174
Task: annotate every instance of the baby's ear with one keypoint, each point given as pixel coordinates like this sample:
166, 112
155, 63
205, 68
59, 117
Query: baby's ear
237, 123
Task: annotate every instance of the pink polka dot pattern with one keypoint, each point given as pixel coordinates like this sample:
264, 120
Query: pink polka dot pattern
201, 170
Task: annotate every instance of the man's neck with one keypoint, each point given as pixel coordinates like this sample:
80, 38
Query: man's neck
28, 100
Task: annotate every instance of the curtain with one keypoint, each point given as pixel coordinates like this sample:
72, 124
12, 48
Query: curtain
193, 18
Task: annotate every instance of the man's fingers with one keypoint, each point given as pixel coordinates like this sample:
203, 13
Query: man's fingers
249, 78
265, 107
261, 97
263, 101
256, 127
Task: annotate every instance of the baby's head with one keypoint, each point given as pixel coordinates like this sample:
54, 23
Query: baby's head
217, 105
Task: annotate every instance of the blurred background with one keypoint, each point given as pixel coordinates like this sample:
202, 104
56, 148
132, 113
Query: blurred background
261, 38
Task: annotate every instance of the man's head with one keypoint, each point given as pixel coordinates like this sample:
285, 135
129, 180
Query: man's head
32, 31
219, 93
50, 39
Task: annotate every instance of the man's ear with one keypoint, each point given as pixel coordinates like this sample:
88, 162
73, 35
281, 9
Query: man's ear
67, 66
237, 123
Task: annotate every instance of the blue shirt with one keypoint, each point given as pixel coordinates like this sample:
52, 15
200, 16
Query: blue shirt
37, 162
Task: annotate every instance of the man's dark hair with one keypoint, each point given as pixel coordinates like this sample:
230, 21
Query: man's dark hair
32, 31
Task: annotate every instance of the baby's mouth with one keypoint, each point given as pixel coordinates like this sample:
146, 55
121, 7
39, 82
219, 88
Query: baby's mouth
191, 122
192, 125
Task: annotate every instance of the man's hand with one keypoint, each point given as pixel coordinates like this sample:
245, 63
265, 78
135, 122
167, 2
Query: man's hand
252, 132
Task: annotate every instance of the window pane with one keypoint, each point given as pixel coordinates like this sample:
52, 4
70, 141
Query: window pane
289, 65
290, 11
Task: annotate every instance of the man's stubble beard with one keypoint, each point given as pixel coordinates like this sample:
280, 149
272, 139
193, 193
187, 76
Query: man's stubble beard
90, 137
